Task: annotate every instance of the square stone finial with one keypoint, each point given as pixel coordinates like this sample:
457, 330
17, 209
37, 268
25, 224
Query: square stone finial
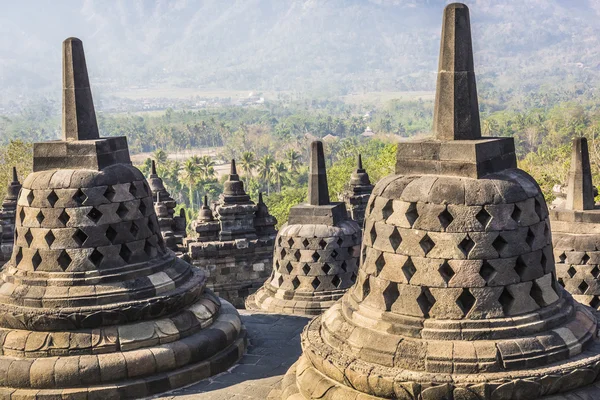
318, 191
456, 111
79, 116
580, 192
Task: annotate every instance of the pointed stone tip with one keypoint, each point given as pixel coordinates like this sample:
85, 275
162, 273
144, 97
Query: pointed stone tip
318, 191
153, 171
15, 178
359, 162
233, 167
79, 117
181, 213
454, 6
260, 198
205, 200
580, 191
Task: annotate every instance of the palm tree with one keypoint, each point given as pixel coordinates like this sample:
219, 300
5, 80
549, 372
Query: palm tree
248, 163
278, 173
160, 156
190, 175
206, 166
293, 159
265, 169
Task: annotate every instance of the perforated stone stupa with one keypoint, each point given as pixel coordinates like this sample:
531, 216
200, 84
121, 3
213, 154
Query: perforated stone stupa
7, 218
316, 252
234, 245
456, 296
576, 231
357, 196
92, 305
172, 227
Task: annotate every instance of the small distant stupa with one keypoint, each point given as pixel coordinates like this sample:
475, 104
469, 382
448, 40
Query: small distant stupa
359, 192
8, 213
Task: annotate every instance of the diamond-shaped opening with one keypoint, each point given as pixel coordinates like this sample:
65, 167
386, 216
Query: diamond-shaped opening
49, 238
289, 267
412, 214
125, 253
520, 267
64, 260
483, 217
562, 258
506, 301
94, 215
316, 256
149, 249
290, 242
279, 240
487, 271
544, 262
445, 218
52, 198
380, 263
353, 277
36, 260
595, 303
40, 217
366, 288
96, 257
537, 294
499, 244
538, 209
297, 255
80, 237
409, 269
133, 189
595, 271
561, 282
110, 193
306, 269
296, 282
326, 268
395, 239
282, 253
340, 241
315, 283
585, 259
64, 217
334, 254
390, 295
426, 244
583, 286
571, 271
516, 214
280, 281
387, 209
446, 271
530, 237
322, 244
30, 197
344, 266
122, 210
80, 197
28, 237
22, 215
425, 301
373, 234
466, 245
18, 256
305, 242
336, 281
465, 301
111, 234
143, 207
134, 229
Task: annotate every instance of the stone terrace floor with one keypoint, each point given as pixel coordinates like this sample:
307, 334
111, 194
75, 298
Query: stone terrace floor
274, 346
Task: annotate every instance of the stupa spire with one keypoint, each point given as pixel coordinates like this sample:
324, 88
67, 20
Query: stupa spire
359, 166
79, 117
153, 169
15, 178
580, 192
456, 110
318, 191
233, 175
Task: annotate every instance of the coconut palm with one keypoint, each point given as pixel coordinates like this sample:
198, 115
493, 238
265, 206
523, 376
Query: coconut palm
265, 169
278, 173
293, 159
190, 175
160, 156
206, 166
248, 163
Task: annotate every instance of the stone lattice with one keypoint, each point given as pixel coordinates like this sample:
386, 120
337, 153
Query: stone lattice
316, 253
234, 245
92, 304
456, 296
576, 232
357, 196
7, 218
172, 227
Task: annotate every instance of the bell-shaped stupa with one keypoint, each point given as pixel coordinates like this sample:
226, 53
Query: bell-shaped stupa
576, 231
7, 217
172, 227
91, 302
357, 196
456, 296
316, 252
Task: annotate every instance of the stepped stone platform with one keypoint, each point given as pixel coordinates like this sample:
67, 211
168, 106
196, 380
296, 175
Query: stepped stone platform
316, 252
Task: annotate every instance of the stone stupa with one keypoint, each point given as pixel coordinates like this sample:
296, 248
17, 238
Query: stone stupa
576, 231
92, 303
357, 196
456, 297
316, 252
172, 227
234, 244
7, 218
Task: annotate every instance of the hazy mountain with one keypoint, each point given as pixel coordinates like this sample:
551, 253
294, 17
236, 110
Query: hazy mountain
341, 45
